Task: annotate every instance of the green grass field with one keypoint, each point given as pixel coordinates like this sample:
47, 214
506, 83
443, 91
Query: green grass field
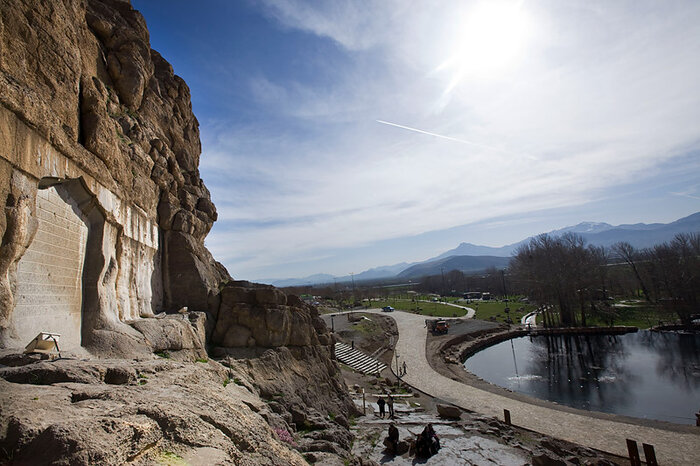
485, 310
424, 308
638, 314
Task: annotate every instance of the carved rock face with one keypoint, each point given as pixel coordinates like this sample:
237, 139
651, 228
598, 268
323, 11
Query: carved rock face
82, 95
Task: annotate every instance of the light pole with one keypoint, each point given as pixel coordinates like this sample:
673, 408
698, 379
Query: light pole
442, 272
398, 370
352, 276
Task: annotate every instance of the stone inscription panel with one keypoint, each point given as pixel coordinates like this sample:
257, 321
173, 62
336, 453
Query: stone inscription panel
48, 296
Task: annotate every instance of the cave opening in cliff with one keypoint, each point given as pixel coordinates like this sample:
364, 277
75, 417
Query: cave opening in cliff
57, 275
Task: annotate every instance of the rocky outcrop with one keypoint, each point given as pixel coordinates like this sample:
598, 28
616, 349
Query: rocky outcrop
260, 315
117, 412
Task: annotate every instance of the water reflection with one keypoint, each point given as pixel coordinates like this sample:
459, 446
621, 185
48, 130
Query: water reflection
644, 374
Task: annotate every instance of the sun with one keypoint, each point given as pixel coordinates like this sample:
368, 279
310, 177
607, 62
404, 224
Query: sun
487, 39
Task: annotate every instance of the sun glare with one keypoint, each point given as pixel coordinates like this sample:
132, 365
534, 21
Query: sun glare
487, 39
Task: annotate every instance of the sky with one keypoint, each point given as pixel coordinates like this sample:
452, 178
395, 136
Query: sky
343, 135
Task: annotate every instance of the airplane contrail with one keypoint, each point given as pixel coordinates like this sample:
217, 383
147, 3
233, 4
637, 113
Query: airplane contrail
463, 141
426, 132
686, 195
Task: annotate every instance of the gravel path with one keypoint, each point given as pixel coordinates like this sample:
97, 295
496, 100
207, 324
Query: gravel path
672, 446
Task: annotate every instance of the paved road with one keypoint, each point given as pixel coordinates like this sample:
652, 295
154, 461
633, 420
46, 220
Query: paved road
672, 448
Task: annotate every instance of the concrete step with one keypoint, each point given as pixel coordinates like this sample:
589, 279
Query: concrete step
358, 360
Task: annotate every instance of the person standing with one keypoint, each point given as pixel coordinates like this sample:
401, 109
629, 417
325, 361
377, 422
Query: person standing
404, 368
381, 404
390, 404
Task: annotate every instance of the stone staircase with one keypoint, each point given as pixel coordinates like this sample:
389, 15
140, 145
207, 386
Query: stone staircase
357, 359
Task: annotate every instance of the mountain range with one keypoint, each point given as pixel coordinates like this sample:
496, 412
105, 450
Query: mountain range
469, 257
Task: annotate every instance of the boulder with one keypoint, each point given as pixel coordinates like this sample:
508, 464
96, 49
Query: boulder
546, 460
173, 334
448, 411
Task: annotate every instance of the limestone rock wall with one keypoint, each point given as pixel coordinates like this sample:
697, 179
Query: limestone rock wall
85, 101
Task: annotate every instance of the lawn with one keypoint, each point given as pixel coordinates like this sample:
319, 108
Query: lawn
424, 308
485, 310
640, 315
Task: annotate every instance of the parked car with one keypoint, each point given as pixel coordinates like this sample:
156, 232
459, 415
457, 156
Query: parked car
388, 309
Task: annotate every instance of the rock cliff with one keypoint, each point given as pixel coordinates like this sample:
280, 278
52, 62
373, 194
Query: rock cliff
103, 242
85, 98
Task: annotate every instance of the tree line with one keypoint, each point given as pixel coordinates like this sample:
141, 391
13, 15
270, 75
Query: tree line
579, 279
574, 279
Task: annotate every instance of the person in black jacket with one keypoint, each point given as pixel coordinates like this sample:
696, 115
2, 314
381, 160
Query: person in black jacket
381, 403
392, 441
428, 442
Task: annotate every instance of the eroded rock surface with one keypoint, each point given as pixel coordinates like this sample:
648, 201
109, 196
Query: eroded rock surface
115, 411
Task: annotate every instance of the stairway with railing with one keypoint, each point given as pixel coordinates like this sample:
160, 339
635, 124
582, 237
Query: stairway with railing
358, 360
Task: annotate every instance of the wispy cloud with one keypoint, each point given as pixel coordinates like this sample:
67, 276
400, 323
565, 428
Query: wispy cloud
602, 96
691, 196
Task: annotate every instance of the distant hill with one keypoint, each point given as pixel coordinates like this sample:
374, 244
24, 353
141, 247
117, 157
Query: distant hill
321, 278
380, 272
469, 257
469, 249
310, 280
461, 263
639, 235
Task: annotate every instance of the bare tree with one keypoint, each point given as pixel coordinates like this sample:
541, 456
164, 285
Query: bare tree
631, 256
563, 272
668, 273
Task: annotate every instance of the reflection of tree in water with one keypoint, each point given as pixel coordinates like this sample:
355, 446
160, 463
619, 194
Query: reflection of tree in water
679, 356
587, 372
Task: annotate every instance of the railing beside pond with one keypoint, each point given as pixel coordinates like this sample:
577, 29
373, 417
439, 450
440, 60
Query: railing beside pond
618, 330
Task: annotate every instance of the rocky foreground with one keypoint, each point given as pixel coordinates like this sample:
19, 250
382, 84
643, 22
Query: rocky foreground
261, 410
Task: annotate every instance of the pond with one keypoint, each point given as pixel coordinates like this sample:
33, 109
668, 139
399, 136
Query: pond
653, 375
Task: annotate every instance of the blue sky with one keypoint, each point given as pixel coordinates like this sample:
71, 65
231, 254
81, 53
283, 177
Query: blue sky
343, 135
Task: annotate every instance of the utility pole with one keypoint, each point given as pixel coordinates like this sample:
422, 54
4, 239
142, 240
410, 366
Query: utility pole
352, 276
442, 272
398, 373
503, 279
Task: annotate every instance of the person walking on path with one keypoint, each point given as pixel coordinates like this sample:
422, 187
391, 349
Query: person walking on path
381, 404
404, 368
390, 403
